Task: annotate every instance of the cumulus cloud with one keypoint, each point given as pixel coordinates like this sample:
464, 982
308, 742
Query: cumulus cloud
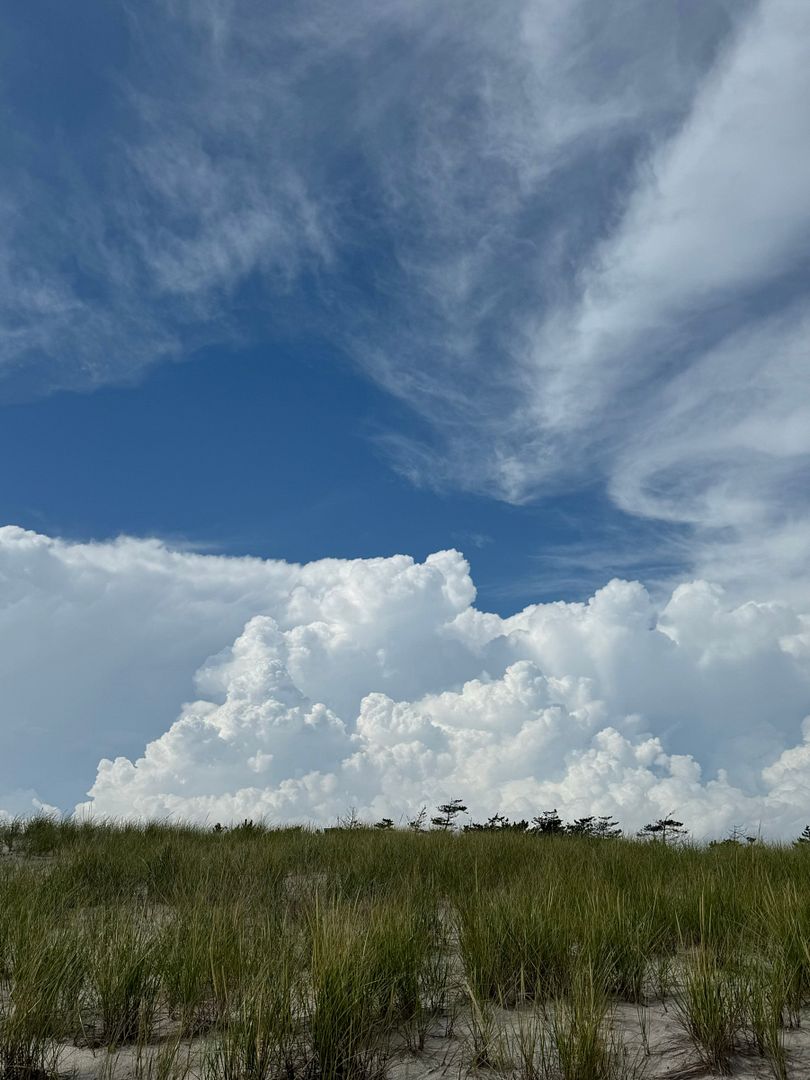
514, 739
100, 641
573, 242
378, 684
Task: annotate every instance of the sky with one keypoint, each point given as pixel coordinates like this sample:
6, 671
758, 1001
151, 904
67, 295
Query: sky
401, 402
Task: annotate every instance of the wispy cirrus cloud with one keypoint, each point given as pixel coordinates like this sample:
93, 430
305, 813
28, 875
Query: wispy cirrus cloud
674, 366
417, 153
572, 240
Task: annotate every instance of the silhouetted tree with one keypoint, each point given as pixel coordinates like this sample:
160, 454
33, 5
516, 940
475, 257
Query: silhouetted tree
606, 827
492, 824
548, 823
804, 838
602, 827
384, 823
735, 838
448, 812
583, 826
497, 821
664, 829
417, 823
350, 820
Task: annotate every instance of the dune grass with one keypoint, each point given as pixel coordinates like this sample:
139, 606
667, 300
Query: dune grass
294, 954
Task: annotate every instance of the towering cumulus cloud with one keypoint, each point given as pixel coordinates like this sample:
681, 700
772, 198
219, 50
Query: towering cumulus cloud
563, 245
377, 684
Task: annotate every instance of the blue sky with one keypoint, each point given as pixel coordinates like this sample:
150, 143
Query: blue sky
300, 282
213, 455
266, 430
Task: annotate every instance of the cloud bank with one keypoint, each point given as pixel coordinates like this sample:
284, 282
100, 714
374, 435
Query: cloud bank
378, 684
574, 242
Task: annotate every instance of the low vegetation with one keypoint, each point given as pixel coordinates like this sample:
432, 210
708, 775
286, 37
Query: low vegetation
292, 954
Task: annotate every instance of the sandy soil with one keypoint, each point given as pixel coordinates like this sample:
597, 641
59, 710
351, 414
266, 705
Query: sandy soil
657, 1047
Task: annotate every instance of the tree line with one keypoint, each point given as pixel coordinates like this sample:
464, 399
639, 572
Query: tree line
546, 823
667, 830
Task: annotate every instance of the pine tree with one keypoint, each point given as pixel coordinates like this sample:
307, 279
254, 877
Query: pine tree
602, 827
492, 824
548, 823
584, 826
606, 828
805, 836
517, 826
448, 812
497, 821
667, 830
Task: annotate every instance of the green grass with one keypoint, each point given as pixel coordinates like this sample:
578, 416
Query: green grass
123, 975
303, 955
711, 1005
582, 1047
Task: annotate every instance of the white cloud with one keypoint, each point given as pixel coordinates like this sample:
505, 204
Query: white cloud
686, 354
517, 740
722, 207
574, 244
587, 237
277, 142
677, 373
16, 804
100, 641
377, 683
665, 355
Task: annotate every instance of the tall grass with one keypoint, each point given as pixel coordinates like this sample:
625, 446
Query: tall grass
711, 1006
581, 1045
768, 987
293, 954
123, 975
44, 980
